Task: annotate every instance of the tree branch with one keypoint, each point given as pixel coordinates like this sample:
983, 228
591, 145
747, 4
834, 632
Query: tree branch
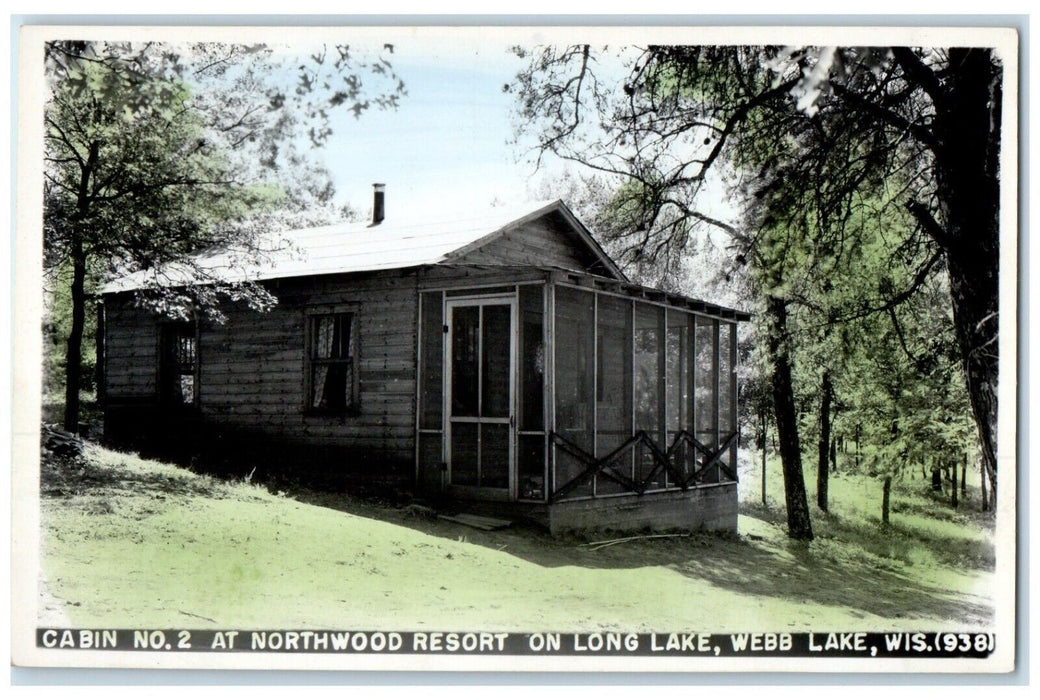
885, 115
919, 73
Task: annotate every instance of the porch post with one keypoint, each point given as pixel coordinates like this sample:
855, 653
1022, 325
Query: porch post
550, 389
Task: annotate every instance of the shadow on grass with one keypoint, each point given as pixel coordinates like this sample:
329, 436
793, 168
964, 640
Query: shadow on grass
847, 566
71, 476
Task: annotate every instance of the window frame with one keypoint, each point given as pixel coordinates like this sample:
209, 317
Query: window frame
353, 403
166, 368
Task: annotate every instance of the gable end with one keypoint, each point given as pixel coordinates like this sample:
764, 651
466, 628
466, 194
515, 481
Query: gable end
553, 237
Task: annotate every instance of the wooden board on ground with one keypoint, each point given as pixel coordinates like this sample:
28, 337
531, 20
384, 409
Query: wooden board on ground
478, 521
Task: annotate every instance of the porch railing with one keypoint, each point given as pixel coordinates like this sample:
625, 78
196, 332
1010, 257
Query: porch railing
663, 461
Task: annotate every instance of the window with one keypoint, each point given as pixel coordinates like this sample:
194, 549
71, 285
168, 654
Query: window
178, 369
331, 372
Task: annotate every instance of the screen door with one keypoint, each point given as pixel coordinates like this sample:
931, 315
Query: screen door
480, 381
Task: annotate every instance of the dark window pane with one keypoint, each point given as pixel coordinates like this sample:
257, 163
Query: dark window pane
178, 360
496, 361
332, 384
465, 328
331, 339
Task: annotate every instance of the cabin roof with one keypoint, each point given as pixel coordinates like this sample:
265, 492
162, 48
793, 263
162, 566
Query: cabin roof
364, 247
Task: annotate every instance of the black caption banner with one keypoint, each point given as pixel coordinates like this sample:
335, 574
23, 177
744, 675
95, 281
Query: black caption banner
935, 645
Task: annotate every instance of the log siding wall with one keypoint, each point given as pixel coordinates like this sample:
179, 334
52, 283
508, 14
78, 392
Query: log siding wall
252, 367
131, 353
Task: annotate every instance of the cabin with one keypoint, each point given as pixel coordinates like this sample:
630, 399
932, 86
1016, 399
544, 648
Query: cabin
500, 362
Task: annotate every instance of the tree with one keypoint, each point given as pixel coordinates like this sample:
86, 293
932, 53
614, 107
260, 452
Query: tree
156, 152
678, 114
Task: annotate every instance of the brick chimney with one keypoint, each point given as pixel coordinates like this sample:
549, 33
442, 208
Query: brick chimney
378, 202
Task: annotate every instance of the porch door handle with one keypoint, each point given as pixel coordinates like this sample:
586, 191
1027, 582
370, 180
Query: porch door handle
512, 421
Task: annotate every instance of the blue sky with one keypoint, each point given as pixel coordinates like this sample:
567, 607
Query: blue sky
447, 146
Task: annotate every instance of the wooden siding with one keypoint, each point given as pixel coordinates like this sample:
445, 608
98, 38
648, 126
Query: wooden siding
546, 241
253, 366
251, 375
131, 352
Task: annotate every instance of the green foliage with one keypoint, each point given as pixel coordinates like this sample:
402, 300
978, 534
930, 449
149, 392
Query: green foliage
57, 322
155, 153
831, 164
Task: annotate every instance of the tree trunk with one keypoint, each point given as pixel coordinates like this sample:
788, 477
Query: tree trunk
857, 436
78, 256
763, 418
937, 484
74, 347
982, 488
964, 476
825, 440
886, 492
834, 455
992, 482
967, 129
799, 526
953, 489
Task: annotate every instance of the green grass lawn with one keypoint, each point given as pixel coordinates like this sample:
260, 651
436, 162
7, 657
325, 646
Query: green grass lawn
128, 542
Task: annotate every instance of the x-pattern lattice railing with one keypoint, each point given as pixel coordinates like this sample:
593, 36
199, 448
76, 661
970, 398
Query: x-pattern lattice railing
662, 461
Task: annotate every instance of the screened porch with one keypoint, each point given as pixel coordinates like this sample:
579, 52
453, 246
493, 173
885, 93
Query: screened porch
572, 387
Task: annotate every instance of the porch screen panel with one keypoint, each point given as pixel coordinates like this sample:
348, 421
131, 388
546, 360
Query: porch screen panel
531, 439
725, 382
727, 392
531, 466
532, 359
706, 401
464, 448
677, 372
494, 455
649, 375
575, 393
431, 397
495, 366
614, 387
465, 381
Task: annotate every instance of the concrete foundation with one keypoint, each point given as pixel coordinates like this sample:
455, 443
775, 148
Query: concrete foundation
703, 508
